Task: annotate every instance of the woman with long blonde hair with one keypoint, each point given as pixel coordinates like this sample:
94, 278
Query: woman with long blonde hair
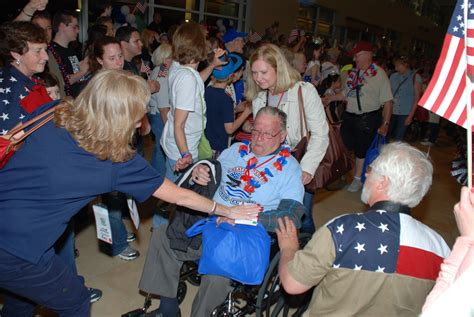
273, 82
85, 150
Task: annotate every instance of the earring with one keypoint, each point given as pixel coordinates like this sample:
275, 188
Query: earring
17, 61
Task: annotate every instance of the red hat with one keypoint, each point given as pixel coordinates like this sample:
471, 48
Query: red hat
361, 46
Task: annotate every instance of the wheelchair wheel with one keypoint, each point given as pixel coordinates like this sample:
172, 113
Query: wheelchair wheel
182, 290
190, 271
271, 299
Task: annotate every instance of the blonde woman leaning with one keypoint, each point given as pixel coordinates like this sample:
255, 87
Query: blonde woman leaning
275, 83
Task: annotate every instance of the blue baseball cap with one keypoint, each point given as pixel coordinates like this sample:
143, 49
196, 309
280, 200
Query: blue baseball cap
232, 34
224, 71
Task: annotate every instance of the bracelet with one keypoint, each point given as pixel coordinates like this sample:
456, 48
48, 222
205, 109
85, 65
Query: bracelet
185, 154
213, 210
28, 15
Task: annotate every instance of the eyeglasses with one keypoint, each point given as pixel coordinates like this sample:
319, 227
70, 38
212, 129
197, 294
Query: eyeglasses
266, 135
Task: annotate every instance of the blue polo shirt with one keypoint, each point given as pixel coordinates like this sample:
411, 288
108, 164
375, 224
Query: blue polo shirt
49, 180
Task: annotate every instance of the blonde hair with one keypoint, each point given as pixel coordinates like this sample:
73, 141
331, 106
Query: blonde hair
161, 53
146, 36
102, 119
287, 76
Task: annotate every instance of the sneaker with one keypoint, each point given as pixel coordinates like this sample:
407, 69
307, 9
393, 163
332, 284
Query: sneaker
96, 294
355, 186
129, 254
131, 237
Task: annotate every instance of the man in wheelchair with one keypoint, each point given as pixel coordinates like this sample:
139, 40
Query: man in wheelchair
379, 263
262, 172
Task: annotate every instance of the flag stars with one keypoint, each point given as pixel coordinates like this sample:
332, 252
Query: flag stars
336, 266
13, 79
380, 211
459, 18
340, 229
6, 102
4, 116
4, 132
461, 25
360, 226
21, 96
380, 269
455, 29
357, 267
383, 249
383, 227
8, 90
360, 247
22, 116
2, 90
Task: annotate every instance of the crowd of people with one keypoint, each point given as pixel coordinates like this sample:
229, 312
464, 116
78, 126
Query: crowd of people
242, 96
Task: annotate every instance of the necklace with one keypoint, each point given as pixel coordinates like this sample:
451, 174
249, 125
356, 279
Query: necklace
279, 101
62, 68
357, 81
250, 182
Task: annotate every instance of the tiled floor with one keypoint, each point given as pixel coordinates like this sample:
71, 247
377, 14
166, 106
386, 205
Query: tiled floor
118, 279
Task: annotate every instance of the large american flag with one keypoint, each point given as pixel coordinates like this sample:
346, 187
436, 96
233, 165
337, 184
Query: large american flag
387, 242
446, 94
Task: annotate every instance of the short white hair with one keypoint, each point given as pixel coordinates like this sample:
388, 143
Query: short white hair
161, 53
409, 171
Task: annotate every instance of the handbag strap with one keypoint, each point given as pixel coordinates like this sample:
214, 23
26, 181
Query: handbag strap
302, 114
49, 114
198, 226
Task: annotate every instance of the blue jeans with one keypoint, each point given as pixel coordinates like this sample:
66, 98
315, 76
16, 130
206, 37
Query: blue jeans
119, 232
397, 127
158, 217
50, 283
115, 203
158, 158
307, 223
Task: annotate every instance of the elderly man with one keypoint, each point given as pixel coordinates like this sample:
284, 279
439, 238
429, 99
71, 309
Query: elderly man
379, 263
367, 88
261, 172
234, 41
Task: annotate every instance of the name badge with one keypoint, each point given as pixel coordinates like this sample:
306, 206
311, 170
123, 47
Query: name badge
102, 222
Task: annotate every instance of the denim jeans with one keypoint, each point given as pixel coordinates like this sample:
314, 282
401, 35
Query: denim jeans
50, 283
158, 158
307, 223
397, 127
116, 202
158, 217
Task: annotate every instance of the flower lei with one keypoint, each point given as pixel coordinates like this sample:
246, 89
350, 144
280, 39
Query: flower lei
355, 81
252, 164
62, 68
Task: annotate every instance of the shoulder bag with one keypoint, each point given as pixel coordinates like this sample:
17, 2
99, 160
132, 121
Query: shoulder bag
12, 141
336, 162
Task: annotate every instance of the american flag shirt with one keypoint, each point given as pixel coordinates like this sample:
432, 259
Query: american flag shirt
378, 263
387, 242
14, 86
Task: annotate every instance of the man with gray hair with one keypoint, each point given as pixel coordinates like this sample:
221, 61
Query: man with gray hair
379, 263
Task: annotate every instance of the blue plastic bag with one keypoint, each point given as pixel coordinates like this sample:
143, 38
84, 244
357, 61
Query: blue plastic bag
372, 153
238, 252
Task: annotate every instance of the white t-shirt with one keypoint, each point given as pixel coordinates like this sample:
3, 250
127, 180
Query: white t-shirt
160, 99
186, 90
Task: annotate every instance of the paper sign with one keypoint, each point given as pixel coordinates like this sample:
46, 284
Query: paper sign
132, 206
102, 222
252, 222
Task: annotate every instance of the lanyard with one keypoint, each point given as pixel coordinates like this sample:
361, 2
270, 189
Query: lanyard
279, 101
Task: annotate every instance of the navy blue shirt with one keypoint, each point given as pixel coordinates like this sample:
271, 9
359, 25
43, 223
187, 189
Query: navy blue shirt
49, 180
220, 110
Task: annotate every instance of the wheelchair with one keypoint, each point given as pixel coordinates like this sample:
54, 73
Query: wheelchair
267, 299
